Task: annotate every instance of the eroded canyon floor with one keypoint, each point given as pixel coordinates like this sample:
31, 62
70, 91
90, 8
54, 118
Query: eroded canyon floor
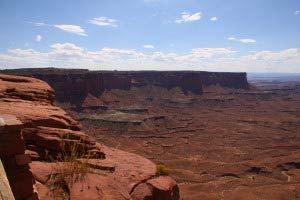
224, 144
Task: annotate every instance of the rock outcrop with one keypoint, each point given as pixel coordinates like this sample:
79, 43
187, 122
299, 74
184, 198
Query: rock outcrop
78, 87
15, 161
33, 130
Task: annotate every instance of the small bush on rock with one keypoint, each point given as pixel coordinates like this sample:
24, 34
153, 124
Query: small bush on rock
162, 170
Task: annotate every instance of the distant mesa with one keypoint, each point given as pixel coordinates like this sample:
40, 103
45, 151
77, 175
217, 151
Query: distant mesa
83, 88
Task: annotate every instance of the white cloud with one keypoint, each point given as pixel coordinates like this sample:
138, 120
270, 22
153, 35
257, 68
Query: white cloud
118, 52
38, 23
66, 46
210, 52
67, 49
38, 38
71, 29
65, 27
104, 21
213, 19
245, 40
297, 12
148, 46
209, 59
286, 54
187, 17
23, 52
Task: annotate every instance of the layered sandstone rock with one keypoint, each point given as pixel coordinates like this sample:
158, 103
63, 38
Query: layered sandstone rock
82, 88
45, 126
15, 161
225, 79
33, 125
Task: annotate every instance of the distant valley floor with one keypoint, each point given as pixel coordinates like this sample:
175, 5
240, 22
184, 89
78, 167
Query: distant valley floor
224, 144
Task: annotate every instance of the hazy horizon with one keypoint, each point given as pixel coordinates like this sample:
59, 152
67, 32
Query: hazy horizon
209, 35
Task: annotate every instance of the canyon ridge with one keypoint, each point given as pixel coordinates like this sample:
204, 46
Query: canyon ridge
222, 136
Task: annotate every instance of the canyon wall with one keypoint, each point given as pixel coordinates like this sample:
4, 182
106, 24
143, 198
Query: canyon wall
225, 79
37, 140
74, 85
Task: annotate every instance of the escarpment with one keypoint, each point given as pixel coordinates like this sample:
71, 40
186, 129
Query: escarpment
82, 88
232, 80
42, 147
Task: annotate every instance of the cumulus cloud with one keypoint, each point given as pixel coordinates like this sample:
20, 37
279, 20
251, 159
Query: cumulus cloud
38, 38
187, 17
67, 49
209, 59
118, 52
72, 29
213, 19
245, 40
297, 12
23, 52
148, 46
104, 21
286, 54
210, 52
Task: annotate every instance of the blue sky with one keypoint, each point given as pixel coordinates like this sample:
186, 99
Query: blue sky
211, 35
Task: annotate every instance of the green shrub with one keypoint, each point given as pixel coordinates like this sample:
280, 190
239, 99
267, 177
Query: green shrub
162, 170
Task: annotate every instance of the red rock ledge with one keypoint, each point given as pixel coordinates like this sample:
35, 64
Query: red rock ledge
32, 128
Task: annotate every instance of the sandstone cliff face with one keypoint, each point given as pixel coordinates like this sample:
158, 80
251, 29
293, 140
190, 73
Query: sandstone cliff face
232, 80
32, 128
15, 161
75, 86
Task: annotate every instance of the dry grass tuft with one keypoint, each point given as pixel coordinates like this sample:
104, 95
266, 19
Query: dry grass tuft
71, 165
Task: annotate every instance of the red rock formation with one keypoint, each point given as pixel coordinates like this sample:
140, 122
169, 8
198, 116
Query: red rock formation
157, 189
187, 81
225, 79
82, 88
29, 120
15, 161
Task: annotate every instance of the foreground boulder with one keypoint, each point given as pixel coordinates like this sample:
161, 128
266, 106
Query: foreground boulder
66, 163
159, 188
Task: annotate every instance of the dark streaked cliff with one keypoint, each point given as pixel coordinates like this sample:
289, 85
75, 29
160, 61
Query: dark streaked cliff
74, 85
